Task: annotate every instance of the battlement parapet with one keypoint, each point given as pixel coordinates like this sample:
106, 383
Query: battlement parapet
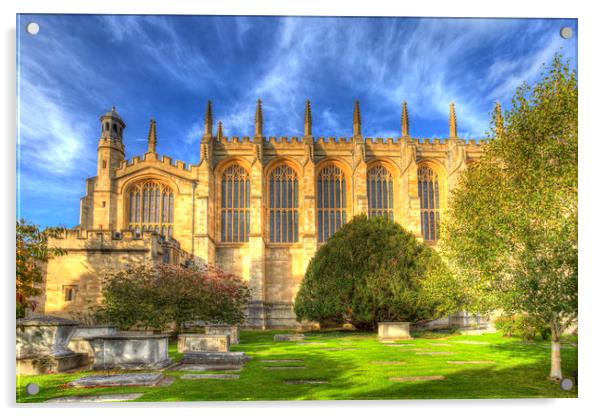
381, 141
164, 160
116, 240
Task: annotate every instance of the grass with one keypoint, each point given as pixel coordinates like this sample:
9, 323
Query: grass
519, 371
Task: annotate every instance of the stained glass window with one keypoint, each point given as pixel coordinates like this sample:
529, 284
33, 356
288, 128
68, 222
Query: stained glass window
236, 195
428, 193
284, 205
331, 202
380, 192
150, 207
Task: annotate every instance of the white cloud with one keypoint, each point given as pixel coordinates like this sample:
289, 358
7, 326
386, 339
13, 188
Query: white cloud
50, 138
165, 50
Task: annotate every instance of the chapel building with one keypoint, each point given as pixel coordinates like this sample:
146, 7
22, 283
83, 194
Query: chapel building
255, 206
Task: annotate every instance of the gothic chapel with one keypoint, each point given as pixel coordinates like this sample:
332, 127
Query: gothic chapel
255, 206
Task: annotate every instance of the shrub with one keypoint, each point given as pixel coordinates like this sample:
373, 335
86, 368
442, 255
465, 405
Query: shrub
523, 326
373, 270
157, 296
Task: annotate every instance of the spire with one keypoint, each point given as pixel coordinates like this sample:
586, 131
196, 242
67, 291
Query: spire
152, 137
208, 121
499, 121
307, 121
357, 122
453, 128
258, 120
405, 120
220, 133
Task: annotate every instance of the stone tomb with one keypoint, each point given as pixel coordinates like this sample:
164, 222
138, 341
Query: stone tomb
130, 351
203, 342
42, 346
80, 339
231, 330
388, 331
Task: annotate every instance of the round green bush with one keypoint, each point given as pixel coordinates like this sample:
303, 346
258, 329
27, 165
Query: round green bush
370, 271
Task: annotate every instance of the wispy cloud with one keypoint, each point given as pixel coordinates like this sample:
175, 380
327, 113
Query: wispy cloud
168, 66
53, 138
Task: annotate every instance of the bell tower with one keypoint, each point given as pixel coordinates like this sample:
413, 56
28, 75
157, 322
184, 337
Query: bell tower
111, 152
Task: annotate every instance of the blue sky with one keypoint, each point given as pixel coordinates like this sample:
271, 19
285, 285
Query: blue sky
167, 67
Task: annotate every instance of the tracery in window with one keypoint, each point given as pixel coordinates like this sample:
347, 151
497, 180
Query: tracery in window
428, 193
151, 207
283, 205
331, 201
235, 203
380, 192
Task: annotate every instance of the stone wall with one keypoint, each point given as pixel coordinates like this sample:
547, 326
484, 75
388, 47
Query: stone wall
89, 255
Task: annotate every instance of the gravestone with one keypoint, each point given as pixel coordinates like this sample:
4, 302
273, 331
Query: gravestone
231, 330
470, 362
202, 342
215, 358
289, 337
210, 377
42, 346
416, 378
200, 367
305, 381
96, 399
388, 331
118, 380
130, 351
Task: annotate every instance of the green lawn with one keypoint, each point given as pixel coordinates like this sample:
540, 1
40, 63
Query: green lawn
519, 370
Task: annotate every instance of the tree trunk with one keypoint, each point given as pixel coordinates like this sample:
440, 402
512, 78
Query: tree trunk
556, 368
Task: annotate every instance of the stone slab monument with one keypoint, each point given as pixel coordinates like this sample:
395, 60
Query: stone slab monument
231, 330
203, 343
289, 337
42, 346
215, 358
80, 341
130, 351
390, 331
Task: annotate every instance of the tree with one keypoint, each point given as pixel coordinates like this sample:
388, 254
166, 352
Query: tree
511, 230
156, 296
32, 251
373, 270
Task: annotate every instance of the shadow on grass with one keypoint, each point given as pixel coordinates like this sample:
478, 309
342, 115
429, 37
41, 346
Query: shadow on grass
523, 381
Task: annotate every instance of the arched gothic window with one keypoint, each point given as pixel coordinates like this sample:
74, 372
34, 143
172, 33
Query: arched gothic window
332, 201
284, 205
380, 192
236, 195
150, 207
428, 193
